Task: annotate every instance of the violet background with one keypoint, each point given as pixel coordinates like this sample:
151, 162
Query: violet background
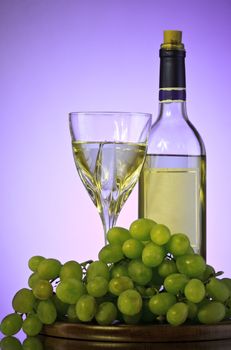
59, 56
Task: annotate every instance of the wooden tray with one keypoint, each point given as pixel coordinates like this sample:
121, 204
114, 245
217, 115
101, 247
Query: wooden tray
52, 343
140, 333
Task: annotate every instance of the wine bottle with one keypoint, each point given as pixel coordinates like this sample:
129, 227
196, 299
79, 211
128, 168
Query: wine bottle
172, 185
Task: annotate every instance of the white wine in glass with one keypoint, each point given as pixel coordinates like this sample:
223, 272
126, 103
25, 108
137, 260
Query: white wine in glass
109, 151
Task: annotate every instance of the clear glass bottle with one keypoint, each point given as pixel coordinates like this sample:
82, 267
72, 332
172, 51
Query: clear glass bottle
172, 185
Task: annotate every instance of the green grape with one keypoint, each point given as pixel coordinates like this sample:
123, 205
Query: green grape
194, 290
209, 272
70, 290
32, 325
118, 285
227, 282
32, 343
192, 310
227, 312
139, 273
42, 290
86, 308
129, 302
111, 253
217, 290
49, 269
157, 280
34, 261
46, 312
175, 283
178, 244
133, 270
71, 269
60, 306
11, 324
177, 314
134, 319
228, 308
98, 268
10, 343
167, 267
191, 265
211, 312
160, 234
34, 277
205, 301
140, 289
37, 301
97, 287
118, 235
106, 313
140, 229
71, 313
132, 248
190, 250
119, 269
23, 301
160, 303
150, 291
146, 315
153, 255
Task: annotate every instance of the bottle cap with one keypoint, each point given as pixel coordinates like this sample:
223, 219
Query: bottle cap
172, 40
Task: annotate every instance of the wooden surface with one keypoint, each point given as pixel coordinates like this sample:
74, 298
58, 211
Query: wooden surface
140, 333
52, 343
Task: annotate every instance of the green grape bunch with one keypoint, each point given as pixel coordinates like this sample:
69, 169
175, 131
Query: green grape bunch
144, 275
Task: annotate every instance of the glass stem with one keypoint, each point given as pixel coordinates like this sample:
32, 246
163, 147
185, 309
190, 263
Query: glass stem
108, 219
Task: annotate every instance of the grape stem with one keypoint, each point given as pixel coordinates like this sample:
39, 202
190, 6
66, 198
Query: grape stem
84, 267
86, 263
219, 273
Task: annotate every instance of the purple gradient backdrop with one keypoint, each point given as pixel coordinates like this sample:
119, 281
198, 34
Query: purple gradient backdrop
59, 56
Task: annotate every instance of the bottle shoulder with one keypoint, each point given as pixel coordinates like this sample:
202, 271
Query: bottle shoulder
175, 136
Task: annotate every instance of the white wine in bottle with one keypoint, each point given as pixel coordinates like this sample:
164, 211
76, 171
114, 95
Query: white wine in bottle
172, 185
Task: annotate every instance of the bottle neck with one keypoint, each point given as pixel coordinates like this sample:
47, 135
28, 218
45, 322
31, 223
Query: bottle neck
172, 71
168, 95
172, 84
173, 110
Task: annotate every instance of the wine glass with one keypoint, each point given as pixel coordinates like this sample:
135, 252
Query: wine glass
109, 150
